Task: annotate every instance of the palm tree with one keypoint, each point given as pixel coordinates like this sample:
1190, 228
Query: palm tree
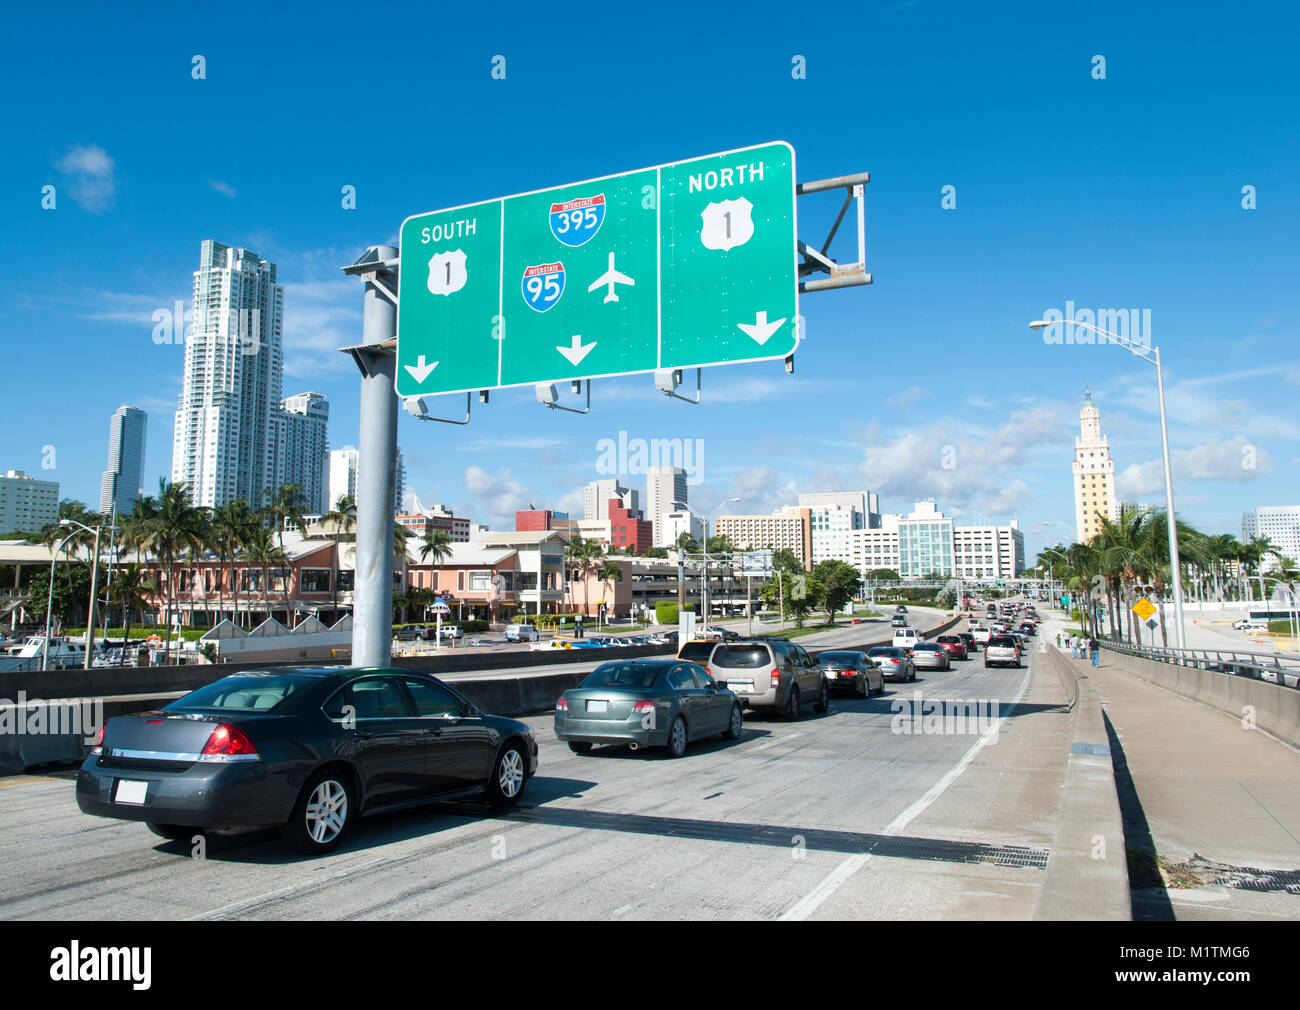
342, 517
131, 588
436, 543
228, 533
609, 571
285, 505
586, 557
172, 530
260, 549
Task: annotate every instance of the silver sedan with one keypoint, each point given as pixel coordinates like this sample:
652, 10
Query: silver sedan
930, 656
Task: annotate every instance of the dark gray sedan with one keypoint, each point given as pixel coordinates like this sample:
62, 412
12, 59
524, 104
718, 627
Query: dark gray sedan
848, 670
646, 703
307, 749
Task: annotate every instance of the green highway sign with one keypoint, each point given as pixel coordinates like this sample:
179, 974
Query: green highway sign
678, 266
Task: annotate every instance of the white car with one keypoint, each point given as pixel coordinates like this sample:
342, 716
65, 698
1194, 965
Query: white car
981, 634
1250, 624
523, 633
905, 638
452, 631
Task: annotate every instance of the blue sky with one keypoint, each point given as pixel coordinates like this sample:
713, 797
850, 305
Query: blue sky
1118, 193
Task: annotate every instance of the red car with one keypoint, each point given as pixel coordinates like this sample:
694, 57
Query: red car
953, 645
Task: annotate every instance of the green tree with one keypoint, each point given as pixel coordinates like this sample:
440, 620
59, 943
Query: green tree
71, 591
838, 581
261, 549
169, 528
341, 518
132, 587
284, 507
584, 557
228, 533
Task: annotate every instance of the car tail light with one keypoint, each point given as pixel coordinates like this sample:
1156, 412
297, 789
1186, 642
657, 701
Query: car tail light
776, 677
561, 705
98, 746
645, 705
228, 743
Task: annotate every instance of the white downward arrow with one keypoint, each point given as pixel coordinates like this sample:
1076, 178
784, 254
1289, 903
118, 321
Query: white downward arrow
577, 352
420, 371
761, 329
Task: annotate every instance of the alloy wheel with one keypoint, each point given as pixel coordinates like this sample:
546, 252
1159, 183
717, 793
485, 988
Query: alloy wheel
510, 773
327, 811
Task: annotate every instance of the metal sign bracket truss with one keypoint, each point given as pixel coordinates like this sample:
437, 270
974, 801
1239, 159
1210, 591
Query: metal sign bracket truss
817, 260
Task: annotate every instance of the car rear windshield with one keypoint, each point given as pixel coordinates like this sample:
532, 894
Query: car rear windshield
245, 692
949, 639
1004, 642
925, 647
630, 676
741, 657
885, 650
838, 657
696, 652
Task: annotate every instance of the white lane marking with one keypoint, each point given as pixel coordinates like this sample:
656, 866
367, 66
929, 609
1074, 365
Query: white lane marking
773, 743
813, 900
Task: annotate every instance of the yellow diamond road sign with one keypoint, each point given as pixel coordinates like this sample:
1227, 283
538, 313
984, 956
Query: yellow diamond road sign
1144, 608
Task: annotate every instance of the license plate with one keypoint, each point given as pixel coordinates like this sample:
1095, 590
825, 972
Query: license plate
740, 686
131, 792
597, 706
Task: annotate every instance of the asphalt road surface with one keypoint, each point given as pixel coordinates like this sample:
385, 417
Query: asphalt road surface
839, 816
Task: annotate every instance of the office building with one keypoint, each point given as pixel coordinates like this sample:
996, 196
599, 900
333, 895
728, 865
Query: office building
665, 493
436, 517
596, 496
123, 480
673, 524
27, 505
1094, 475
300, 448
225, 416
789, 528
1281, 524
831, 525
343, 467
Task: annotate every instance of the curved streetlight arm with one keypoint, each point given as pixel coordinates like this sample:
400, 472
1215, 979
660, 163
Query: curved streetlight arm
1143, 351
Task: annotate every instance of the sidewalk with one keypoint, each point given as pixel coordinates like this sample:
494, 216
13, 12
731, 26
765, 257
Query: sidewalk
1211, 799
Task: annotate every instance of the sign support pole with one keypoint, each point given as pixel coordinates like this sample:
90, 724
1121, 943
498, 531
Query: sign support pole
372, 601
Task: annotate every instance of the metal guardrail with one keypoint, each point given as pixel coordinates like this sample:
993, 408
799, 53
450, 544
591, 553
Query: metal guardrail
1277, 668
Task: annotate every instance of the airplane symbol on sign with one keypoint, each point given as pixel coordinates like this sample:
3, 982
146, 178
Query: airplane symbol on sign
609, 278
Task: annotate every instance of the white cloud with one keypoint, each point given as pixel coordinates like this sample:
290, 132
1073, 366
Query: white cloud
496, 497
90, 171
224, 188
961, 466
907, 396
320, 316
1214, 460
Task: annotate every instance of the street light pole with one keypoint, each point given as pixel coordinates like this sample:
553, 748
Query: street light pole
1152, 356
49, 607
704, 586
94, 587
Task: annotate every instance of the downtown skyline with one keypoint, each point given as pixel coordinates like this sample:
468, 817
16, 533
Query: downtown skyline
933, 363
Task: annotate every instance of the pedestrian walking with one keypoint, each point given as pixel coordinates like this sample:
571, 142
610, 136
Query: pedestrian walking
1074, 646
1094, 649
1058, 639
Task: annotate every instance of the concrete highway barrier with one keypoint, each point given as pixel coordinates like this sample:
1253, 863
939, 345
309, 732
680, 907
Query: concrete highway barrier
1087, 872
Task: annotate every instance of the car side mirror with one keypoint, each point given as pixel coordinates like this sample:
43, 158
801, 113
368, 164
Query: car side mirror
721, 685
